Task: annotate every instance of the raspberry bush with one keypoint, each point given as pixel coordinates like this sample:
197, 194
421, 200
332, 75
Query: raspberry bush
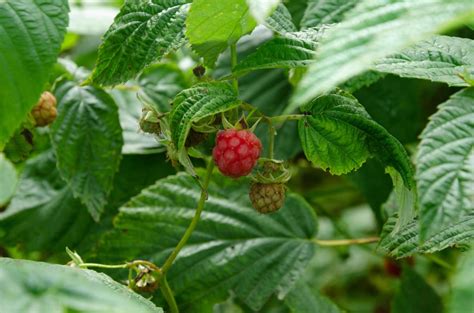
236, 156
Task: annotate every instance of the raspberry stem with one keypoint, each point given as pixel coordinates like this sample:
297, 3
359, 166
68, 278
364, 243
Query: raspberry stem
233, 63
345, 242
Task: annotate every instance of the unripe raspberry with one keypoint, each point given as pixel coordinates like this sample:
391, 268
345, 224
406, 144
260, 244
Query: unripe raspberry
267, 198
236, 152
195, 138
45, 112
149, 122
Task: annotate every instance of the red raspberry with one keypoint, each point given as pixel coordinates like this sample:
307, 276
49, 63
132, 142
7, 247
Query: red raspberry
236, 152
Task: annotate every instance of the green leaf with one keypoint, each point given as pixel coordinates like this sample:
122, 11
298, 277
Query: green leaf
320, 12
304, 300
233, 247
463, 284
296, 49
261, 9
198, 102
212, 25
371, 31
44, 216
142, 33
30, 38
440, 59
338, 134
280, 21
406, 240
414, 295
445, 165
160, 84
28, 286
87, 140
8, 181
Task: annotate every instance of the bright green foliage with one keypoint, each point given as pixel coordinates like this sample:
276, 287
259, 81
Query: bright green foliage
280, 21
212, 25
296, 49
160, 84
415, 295
373, 30
463, 284
233, 247
142, 33
87, 139
320, 12
440, 59
261, 9
445, 165
42, 287
30, 37
304, 300
339, 135
198, 102
406, 240
8, 181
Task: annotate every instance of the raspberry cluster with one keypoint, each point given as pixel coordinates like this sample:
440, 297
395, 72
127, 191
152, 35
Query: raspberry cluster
236, 152
45, 112
267, 198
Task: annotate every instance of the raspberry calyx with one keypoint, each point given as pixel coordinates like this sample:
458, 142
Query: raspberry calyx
45, 111
267, 198
236, 152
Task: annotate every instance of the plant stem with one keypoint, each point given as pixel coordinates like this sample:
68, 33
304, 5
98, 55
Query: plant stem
345, 242
168, 295
284, 118
233, 63
271, 139
86, 265
194, 221
438, 261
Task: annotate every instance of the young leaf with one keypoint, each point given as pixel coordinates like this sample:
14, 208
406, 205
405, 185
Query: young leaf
31, 35
142, 33
8, 181
233, 247
28, 286
371, 31
445, 165
463, 284
280, 21
406, 240
296, 49
440, 59
200, 101
320, 12
415, 295
214, 24
338, 134
304, 300
261, 9
87, 140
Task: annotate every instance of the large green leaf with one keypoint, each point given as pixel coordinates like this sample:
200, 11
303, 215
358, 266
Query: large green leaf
214, 24
280, 21
8, 181
445, 165
87, 140
371, 31
406, 240
295, 49
440, 59
320, 12
338, 134
30, 37
463, 284
414, 295
28, 286
44, 216
233, 246
142, 33
304, 300
200, 101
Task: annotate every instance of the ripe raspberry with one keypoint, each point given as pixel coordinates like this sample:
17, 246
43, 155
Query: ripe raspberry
267, 198
236, 152
45, 112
